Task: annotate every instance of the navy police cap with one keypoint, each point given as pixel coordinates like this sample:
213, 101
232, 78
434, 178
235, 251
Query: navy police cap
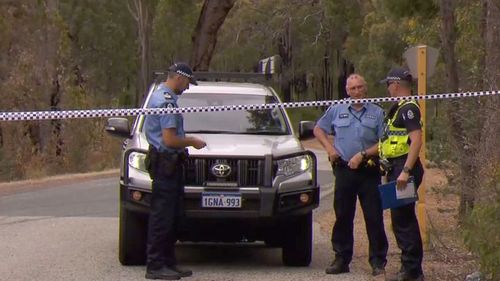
397, 74
184, 70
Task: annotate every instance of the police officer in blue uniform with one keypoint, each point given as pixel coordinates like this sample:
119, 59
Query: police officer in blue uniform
400, 146
165, 162
356, 129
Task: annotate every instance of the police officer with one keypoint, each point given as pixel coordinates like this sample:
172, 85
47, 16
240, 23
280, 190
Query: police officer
356, 129
400, 146
165, 161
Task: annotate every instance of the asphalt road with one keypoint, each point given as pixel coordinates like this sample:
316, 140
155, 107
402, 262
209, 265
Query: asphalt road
70, 232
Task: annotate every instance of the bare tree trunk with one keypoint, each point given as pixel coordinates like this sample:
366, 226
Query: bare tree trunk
448, 40
344, 69
492, 43
327, 79
482, 30
285, 52
57, 125
489, 153
55, 92
142, 12
212, 16
467, 165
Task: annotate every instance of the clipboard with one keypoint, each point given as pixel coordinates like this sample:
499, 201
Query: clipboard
393, 198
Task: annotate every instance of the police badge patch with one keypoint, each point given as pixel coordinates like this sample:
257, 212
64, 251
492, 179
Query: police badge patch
410, 114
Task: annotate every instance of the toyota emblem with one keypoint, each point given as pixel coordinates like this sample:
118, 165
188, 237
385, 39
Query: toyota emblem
221, 170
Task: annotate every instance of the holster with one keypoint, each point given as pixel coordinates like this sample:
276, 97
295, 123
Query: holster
385, 167
369, 163
164, 163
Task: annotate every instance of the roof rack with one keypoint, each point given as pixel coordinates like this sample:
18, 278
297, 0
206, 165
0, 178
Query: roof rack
223, 76
233, 76
268, 67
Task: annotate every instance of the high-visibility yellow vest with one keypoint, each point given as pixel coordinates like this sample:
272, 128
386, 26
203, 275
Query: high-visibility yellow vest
395, 140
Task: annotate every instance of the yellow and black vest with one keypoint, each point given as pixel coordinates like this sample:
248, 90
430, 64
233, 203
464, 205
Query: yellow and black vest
395, 140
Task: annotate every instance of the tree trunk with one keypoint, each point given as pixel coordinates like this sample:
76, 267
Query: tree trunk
57, 125
142, 12
55, 92
448, 41
489, 152
344, 69
326, 77
285, 52
492, 43
212, 16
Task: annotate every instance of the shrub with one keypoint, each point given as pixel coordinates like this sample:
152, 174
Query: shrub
482, 236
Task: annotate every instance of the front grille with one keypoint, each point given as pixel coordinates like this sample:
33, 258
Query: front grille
244, 172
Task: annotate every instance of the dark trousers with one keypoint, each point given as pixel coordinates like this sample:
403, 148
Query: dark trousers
166, 211
405, 224
350, 184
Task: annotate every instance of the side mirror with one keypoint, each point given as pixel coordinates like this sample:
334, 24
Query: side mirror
306, 129
118, 127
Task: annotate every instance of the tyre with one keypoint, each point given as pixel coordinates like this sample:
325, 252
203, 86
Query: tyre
132, 237
297, 248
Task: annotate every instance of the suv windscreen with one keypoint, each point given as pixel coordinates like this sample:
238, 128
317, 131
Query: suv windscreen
261, 122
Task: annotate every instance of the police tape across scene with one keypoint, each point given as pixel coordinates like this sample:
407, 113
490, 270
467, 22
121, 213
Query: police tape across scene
95, 113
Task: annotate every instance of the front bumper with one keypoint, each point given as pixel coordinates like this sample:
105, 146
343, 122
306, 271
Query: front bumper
256, 202
279, 196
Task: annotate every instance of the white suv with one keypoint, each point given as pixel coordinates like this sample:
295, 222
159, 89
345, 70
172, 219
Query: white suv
252, 182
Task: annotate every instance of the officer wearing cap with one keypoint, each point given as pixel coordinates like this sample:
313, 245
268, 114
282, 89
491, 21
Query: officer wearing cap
400, 146
165, 163
356, 129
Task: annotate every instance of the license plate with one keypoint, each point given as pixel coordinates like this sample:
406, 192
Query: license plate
220, 200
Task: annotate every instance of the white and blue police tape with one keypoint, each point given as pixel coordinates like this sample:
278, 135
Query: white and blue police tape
94, 113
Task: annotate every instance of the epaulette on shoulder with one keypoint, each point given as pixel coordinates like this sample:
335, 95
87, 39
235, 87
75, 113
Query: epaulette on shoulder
167, 95
410, 103
169, 105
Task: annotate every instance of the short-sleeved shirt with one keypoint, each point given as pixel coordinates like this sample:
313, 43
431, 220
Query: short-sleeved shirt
408, 117
163, 97
353, 130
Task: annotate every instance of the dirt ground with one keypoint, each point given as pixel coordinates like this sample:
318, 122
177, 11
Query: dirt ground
445, 257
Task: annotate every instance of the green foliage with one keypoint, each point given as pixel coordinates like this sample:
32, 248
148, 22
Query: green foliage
102, 34
173, 25
482, 236
423, 8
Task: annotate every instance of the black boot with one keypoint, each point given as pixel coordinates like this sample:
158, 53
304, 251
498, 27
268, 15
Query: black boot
404, 276
164, 273
338, 266
182, 271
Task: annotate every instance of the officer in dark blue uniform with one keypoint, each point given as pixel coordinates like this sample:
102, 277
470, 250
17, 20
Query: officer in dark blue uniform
356, 129
400, 147
165, 162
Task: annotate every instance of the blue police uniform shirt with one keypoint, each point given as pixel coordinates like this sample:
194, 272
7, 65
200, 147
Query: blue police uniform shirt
163, 97
353, 130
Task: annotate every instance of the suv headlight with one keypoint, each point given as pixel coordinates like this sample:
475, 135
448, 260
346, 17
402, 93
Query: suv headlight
294, 166
136, 160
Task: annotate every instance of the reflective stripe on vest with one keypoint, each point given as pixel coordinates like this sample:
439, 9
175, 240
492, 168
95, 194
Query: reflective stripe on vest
395, 140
